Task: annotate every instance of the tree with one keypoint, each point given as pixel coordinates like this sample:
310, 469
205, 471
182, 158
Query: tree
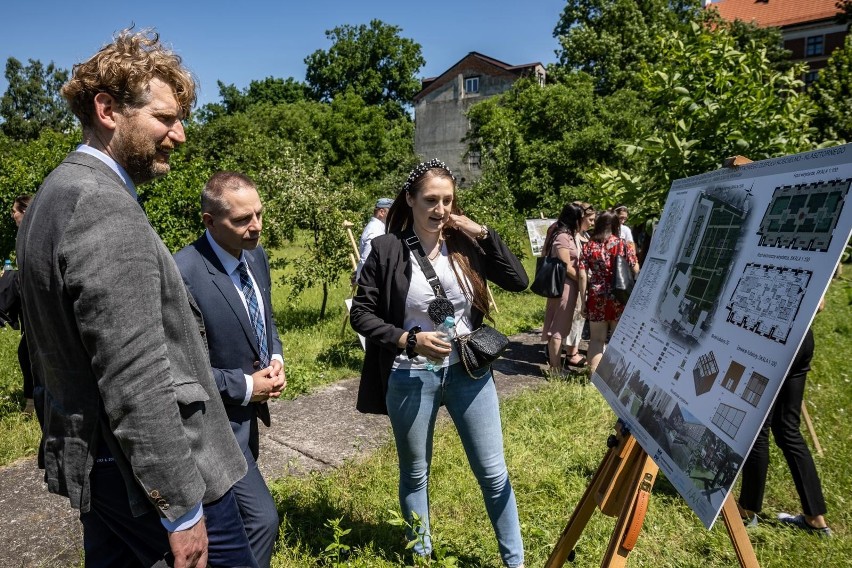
298, 195
831, 94
23, 167
375, 62
711, 100
272, 90
610, 39
544, 141
32, 101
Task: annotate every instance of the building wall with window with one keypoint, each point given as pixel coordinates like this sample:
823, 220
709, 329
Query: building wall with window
440, 109
809, 28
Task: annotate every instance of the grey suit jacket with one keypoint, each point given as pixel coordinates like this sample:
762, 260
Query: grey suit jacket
230, 336
119, 347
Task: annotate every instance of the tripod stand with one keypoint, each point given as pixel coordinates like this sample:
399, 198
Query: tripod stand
621, 488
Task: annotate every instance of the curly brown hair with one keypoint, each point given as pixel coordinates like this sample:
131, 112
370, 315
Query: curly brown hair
123, 69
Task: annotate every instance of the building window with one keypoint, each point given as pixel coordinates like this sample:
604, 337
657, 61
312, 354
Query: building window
810, 77
471, 85
473, 160
815, 46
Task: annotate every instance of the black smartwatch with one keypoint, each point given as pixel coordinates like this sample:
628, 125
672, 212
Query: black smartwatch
411, 341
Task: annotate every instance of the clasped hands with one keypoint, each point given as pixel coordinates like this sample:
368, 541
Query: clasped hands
269, 382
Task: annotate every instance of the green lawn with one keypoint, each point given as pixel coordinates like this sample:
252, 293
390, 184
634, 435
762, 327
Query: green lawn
554, 442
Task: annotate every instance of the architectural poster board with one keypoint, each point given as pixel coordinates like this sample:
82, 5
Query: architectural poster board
537, 231
732, 280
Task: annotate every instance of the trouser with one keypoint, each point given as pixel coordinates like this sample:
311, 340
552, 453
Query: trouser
413, 400
784, 420
113, 537
258, 512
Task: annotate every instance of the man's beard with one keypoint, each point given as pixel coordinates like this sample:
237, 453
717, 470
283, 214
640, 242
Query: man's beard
138, 156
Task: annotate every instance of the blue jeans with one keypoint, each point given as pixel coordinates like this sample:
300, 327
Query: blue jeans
413, 399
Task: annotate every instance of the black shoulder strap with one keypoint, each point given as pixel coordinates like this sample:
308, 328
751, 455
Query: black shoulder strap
413, 243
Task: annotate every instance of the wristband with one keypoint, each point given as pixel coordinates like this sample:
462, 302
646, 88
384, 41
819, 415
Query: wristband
411, 341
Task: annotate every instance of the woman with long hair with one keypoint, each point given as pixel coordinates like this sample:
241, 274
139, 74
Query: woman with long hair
601, 308
572, 341
427, 231
559, 312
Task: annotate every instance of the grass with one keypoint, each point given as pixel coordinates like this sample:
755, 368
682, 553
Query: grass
554, 439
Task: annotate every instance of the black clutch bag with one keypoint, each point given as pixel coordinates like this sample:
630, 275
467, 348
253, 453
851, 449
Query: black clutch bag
480, 348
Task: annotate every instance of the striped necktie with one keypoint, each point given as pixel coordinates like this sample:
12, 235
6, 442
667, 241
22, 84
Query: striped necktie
254, 314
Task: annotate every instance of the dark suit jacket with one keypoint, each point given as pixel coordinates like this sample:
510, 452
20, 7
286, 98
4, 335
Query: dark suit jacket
116, 341
378, 309
230, 336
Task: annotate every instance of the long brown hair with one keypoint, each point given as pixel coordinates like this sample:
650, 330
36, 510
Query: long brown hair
460, 246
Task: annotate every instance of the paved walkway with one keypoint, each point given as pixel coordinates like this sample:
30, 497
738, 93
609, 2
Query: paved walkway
314, 432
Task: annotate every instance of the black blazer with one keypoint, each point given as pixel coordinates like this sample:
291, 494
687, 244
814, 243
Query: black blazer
230, 336
378, 309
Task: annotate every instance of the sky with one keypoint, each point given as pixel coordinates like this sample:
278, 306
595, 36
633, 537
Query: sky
239, 41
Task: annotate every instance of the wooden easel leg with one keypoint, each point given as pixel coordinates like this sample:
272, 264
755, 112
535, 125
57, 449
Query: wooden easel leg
811, 429
564, 549
737, 532
640, 480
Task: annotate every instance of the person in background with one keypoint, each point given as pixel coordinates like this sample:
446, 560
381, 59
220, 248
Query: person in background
227, 272
601, 308
572, 341
559, 312
784, 419
624, 231
135, 433
375, 227
390, 311
10, 306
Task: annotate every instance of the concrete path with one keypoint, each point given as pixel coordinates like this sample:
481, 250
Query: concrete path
314, 432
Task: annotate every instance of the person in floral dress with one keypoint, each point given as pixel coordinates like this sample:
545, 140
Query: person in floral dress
595, 271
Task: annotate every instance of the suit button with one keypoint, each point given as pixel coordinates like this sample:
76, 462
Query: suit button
256, 364
155, 494
161, 503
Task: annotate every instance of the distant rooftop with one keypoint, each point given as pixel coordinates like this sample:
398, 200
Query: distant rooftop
776, 13
434, 81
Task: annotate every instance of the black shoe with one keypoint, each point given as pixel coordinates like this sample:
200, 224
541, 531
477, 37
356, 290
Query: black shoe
799, 522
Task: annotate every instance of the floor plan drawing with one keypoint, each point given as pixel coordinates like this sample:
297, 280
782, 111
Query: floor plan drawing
803, 216
767, 299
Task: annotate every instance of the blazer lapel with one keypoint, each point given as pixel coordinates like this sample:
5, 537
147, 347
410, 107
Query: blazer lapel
225, 285
259, 273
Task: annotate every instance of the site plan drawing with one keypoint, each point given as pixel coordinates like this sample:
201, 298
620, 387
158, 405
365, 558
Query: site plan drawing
729, 287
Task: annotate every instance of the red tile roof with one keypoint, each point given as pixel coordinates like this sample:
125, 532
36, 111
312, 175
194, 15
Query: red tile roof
769, 13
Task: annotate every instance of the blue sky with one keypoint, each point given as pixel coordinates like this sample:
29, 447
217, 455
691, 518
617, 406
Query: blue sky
238, 41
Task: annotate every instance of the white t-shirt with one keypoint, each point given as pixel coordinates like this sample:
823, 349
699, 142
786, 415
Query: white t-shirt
374, 228
626, 233
420, 294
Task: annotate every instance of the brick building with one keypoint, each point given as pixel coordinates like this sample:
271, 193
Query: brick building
441, 105
809, 28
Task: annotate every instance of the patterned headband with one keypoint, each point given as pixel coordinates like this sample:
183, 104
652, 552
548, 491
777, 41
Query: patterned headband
424, 167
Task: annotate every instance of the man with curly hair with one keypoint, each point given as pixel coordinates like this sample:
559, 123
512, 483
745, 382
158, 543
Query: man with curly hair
135, 433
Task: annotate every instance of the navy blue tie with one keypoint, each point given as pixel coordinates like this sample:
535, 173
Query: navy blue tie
254, 314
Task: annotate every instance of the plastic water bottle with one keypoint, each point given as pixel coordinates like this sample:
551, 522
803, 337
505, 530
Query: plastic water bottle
447, 332
7, 266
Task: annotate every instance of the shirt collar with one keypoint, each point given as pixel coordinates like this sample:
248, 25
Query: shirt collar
114, 166
229, 263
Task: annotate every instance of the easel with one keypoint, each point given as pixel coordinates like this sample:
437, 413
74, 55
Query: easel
811, 429
621, 488
354, 259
